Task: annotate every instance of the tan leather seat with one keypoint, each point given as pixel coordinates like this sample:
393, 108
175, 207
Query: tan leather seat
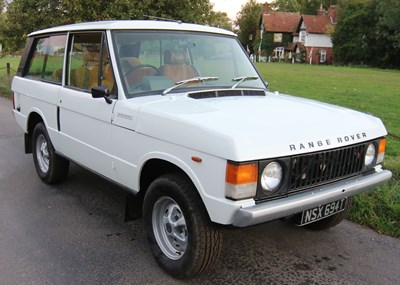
87, 75
177, 66
128, 63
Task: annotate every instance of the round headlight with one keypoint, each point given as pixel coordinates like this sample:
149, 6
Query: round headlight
271, 176
370, 155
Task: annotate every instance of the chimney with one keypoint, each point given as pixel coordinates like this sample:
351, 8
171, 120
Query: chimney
266, 8
332, 13
321, 10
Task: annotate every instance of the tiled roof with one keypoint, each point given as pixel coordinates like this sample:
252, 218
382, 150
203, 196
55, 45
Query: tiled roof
318, 24
283, 22
293, 46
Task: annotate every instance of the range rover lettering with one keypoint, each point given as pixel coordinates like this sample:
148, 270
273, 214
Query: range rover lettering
178, 115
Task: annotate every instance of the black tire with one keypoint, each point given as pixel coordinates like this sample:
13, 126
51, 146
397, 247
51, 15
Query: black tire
50, 167
196, 245
331, 221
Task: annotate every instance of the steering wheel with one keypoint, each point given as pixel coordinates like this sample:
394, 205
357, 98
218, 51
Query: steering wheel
135, 67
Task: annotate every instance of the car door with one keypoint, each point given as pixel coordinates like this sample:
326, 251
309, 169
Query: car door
84, 123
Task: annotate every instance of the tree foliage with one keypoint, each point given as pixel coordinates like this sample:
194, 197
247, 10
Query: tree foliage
248, 22
219, 20
305, 7
25, 16
388, 31
368, 32
22, 15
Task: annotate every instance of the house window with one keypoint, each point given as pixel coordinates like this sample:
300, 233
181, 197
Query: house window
279, 52
302, 36
322, 57
277, 37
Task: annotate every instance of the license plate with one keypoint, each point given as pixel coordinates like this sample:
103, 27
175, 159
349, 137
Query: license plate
323, 211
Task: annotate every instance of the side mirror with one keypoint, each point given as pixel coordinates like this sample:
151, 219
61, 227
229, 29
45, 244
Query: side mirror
266, 84
102, 92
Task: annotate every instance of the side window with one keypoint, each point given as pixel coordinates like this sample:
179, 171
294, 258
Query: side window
47, 59
89, 62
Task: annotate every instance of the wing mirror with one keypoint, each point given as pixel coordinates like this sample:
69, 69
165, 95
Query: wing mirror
102, 92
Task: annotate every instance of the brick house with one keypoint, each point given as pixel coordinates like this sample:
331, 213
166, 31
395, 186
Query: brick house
286, 35
315, 34
278, 30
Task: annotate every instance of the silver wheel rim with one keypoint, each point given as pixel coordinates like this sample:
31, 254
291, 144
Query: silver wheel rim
42, 153
169, 227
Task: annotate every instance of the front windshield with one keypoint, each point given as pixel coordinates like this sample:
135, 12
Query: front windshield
152, 61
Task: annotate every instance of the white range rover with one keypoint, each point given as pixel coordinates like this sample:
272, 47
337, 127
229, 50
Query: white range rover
178, 115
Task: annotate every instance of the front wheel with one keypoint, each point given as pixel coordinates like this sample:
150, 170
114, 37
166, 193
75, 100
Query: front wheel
50, 167
182, 238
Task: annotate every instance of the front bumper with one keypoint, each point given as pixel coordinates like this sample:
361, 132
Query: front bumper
284, 207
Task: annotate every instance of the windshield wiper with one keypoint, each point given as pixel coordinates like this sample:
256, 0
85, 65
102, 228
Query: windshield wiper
243, 78
187, 81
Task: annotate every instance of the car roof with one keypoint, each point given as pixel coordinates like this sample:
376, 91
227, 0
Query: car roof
134, 25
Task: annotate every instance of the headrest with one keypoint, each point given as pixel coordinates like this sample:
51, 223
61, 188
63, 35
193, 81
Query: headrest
129, 50
176, 57
91, 58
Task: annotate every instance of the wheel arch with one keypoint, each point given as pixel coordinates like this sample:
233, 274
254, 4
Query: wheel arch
156, 167
34, 118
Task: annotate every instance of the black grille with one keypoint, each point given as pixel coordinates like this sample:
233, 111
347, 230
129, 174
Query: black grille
314, 169
225, 93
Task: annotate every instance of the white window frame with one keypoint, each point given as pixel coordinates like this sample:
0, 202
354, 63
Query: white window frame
279, 52
302, 36
322, 57
278, 37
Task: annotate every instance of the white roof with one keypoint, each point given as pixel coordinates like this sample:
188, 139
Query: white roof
133, 25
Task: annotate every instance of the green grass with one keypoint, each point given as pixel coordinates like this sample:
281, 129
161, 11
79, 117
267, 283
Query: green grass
5, 81
365, 89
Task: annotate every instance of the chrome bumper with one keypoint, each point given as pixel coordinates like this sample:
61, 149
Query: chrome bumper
284, 207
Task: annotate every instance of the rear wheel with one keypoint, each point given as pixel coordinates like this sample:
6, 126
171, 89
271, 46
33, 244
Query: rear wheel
50, 167
182, 238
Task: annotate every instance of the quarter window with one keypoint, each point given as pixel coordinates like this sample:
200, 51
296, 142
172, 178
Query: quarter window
47, 59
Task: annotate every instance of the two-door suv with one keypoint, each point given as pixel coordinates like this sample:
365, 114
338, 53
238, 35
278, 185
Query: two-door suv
178, 115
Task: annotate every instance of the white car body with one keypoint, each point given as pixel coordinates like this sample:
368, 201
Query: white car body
117, 140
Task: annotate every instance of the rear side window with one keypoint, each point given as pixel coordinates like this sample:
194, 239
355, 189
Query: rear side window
46, 62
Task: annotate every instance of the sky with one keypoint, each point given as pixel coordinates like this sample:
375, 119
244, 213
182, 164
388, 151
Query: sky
231, 7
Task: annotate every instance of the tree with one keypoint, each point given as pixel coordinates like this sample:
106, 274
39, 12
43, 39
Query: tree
388, 31
25, 16
2, 5
354, 36
368, 32
219, 20
286, 5
305, 7
189, 11
248, 21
